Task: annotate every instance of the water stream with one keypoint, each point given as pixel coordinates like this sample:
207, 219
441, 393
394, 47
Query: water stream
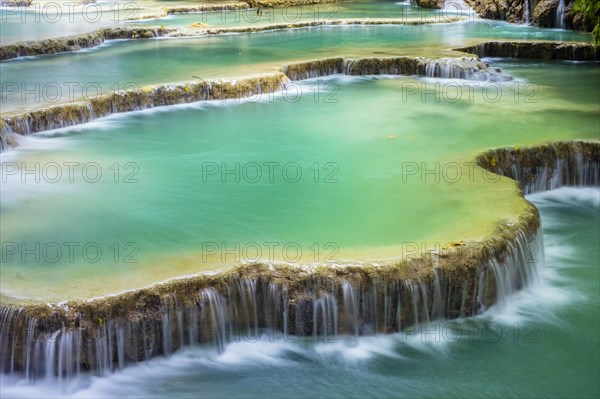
334, 170
511, 350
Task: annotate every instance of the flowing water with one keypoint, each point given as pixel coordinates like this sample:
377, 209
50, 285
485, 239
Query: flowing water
187, 188
47, 80
57, 19
52, 19
308, 13
559, 19
511, 350
337, 169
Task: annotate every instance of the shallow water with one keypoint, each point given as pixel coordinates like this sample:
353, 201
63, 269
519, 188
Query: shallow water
543, 343
189, 188
308, 13
145, 196
57, 19
51, 19
52, 79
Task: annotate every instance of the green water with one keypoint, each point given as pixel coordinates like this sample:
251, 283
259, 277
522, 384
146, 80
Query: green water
52, 79
48, 20
362, 148
51, 19
58, 19
307, 13
150, 190
543, 344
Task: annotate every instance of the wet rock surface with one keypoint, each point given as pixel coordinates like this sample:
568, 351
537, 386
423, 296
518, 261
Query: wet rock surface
541, 13
534, 49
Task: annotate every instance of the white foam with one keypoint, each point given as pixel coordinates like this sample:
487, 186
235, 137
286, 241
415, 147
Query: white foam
572, 196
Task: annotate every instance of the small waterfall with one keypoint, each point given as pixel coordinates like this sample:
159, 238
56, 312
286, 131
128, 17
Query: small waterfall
325, 317
519, 269
438, 310
234, 310
240, 308
8, 138
314, 69
103, 336
274, 307
547, 167
527, 17
213, 318
169, 315
449, 68
29, 350
132, 100
533, 49
73, 114
49, 355
351, 312
78, 42
559, 21
10, 321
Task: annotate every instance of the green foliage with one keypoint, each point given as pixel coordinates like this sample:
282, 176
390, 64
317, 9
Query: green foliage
591, 9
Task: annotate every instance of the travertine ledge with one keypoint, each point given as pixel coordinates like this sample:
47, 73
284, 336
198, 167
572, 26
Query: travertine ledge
78, 42
547, 167
534, 49
96, 38
105, 334
77, 113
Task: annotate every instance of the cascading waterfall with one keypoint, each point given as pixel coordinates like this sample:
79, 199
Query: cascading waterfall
8, 138
134, 100
78, 42
325, 317
351, 311
559, 20
244, 308
59, 343
448, 68
213, 321
545, 50
73, 114
548, 167
519, 269
527, 17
